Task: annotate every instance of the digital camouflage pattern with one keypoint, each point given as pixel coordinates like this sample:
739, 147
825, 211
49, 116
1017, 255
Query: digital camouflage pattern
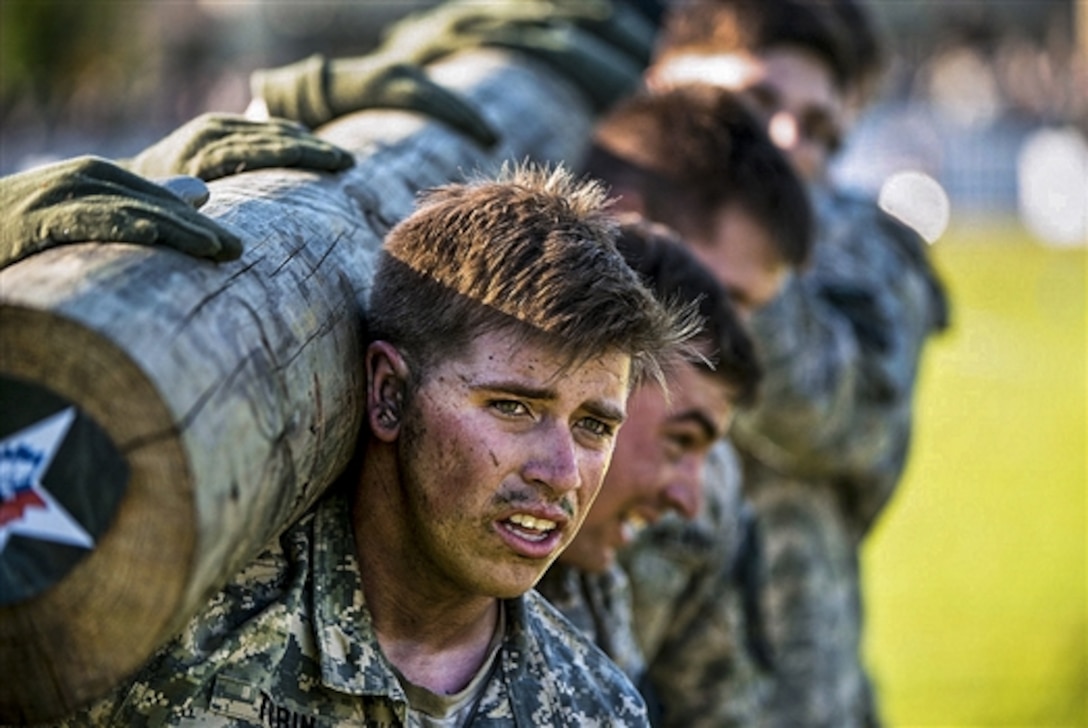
600, 606
688, 585
290, 643
826, 446
841, 347
810, 603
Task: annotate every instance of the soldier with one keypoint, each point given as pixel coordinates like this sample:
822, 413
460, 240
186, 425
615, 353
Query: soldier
506, 333
695, 158
826, 445
663, 448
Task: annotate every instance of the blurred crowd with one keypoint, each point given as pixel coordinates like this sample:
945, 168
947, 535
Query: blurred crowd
982, 97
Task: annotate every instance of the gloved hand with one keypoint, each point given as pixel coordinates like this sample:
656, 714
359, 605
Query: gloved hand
601, 45
88, 199
215, 145
316, 90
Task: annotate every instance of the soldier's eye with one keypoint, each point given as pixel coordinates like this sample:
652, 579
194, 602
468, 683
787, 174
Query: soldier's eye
596, 427
509, 407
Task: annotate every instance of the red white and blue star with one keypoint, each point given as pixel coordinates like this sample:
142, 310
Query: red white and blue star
26, 508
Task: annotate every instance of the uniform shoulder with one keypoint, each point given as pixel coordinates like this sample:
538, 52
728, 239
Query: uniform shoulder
572, 658
556, 634
863, 214
865, 211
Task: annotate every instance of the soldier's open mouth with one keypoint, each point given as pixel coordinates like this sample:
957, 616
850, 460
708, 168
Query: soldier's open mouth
530, 527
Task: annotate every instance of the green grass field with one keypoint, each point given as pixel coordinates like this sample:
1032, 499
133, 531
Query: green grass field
976, 578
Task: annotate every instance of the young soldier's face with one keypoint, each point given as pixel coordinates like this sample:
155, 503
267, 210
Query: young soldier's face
792, 88
503, 452
658, 464
797, 94
742, 255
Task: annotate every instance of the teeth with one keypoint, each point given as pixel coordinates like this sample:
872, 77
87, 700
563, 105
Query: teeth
536, 524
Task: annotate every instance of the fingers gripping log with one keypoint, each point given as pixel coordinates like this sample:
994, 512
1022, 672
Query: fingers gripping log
165, 417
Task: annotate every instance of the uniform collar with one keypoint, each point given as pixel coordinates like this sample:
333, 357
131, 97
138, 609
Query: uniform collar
348, 652
350, 659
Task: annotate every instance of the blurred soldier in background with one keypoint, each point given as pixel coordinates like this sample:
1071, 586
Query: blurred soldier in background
828, 441
696, 159
662, 450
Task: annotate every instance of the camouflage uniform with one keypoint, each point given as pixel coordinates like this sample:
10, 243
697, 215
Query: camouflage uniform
693, 608
677, 596
290, 642
825, 448
600, 606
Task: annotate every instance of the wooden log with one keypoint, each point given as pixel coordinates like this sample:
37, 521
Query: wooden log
165, 417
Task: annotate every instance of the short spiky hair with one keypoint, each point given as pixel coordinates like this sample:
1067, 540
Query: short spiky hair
533, 250
693, 150
673, 273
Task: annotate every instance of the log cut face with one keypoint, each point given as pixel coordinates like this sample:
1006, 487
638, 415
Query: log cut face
232, 392
81, 626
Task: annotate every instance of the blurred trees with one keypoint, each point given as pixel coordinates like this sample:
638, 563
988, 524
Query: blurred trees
110, 76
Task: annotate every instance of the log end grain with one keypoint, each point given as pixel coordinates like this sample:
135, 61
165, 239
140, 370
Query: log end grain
140, 530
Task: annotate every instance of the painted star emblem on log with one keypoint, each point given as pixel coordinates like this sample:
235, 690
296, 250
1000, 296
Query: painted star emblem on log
26, 507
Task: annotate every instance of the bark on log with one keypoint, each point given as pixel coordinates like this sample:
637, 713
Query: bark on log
213, 403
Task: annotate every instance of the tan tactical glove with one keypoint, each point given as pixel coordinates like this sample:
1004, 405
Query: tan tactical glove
89, 199
217, 145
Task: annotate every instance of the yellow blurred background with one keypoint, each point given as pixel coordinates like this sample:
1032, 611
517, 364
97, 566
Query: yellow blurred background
976, 578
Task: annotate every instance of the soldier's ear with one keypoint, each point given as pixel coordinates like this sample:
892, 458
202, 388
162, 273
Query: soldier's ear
386, 379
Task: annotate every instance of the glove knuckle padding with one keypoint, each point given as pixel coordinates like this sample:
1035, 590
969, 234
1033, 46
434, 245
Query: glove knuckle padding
214, 161
98, 218
217, 145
